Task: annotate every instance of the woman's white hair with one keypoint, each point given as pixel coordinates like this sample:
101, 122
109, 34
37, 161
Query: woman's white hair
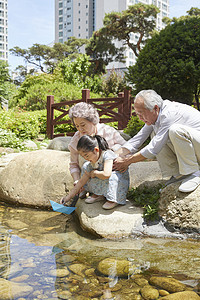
85, 111
151, 98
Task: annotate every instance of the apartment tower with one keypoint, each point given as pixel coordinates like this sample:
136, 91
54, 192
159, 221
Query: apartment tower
80, 18
4, 30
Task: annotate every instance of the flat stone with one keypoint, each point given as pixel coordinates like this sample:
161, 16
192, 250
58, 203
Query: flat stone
187, 295
168, 283
114, 223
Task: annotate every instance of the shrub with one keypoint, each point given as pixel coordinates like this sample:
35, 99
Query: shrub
147, 197
24, 124
9, 139
113, 83
134, 125
32, 94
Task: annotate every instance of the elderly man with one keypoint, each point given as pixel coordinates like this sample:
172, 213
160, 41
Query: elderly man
175, 131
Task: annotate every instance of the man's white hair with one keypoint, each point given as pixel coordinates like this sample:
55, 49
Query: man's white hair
151, 98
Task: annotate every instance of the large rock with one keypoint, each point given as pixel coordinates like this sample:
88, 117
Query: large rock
179, 209
114, 223
59, 143
145, 173
34, 178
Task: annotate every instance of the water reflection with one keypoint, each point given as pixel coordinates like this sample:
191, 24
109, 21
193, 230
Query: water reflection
45, 255
5, 259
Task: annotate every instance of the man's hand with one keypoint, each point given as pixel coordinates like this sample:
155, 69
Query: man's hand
120, 164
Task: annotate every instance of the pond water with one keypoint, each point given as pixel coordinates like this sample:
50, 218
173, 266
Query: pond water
45, 255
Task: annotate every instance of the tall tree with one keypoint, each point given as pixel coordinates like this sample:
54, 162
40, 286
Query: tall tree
102, 51
170, 62
45, 58
138, 19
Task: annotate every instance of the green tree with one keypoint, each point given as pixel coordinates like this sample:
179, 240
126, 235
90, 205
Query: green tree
102, 51
113, 83
77, 73
45, 58
4, 72
170, 62
7, 88
21, 73
138, 19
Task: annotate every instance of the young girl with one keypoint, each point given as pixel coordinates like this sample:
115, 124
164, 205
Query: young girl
98, 177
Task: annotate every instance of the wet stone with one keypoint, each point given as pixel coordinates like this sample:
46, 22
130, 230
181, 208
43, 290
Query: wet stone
131, 290
95, 293
163, 293
140, 281
65, 259
186, 295
20, 278
149, 293
59, 273
90, 272
78, 269
10, 290
168, 283
114, 267
64, 294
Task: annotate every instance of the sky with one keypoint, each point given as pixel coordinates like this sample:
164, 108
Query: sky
32, 21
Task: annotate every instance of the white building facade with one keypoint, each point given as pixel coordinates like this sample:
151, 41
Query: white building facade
80, 18
4, 30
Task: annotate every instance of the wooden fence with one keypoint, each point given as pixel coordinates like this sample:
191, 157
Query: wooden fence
118, 109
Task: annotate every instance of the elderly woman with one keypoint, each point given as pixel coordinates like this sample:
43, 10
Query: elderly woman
86, 119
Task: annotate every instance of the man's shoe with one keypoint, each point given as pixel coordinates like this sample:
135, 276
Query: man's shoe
189, 184
175, 179
92, 199
109, 205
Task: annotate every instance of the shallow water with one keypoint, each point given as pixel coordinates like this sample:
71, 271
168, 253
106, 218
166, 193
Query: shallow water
48, 253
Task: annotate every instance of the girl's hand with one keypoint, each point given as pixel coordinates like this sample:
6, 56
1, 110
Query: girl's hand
64, 200
93, 173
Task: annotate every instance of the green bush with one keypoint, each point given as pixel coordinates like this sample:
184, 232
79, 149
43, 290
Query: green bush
9, 139
134, 125
113, 83
23, 124
146, 197
29, 125
32, 94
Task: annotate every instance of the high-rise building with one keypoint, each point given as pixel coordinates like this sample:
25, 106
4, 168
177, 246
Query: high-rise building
4, 29
80, 18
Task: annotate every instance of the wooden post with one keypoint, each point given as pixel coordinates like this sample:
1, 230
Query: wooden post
85, 95
127, 107
120, 110
50, 116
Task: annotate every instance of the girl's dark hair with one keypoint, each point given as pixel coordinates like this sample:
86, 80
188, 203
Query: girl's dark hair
87, 143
